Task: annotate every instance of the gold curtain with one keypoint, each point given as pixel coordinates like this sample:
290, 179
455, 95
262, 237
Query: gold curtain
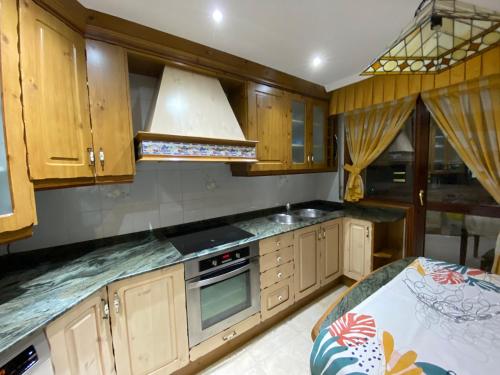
369, 132
469, 116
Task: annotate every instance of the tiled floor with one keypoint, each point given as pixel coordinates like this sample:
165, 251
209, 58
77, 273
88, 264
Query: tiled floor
284, 349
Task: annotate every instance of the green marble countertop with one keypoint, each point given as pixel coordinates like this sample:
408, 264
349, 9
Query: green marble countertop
32, 298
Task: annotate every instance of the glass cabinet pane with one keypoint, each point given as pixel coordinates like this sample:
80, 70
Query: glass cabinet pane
5, 196
298, 132
319, 134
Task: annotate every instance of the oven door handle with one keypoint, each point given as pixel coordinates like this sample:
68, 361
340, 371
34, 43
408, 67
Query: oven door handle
216, 279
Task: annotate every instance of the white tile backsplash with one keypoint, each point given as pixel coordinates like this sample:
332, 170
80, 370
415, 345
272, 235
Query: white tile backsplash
163, 194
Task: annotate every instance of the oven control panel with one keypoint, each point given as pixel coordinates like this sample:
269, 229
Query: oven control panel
217, 260
21, 363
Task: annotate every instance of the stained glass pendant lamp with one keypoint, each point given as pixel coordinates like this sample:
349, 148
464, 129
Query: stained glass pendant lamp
443, 33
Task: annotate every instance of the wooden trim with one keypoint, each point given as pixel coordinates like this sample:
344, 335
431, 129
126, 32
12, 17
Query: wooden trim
6, 237
148, 136
55, 183
237, 171
158, 158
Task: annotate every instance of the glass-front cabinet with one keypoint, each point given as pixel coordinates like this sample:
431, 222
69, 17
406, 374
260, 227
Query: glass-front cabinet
309, 133
17, 204
319, 134
298, 116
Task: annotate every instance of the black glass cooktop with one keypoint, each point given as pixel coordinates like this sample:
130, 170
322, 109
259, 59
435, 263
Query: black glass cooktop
208, 238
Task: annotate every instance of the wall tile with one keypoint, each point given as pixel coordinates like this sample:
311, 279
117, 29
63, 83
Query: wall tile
163, 194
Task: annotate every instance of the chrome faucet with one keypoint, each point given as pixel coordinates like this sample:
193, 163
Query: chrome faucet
288, 207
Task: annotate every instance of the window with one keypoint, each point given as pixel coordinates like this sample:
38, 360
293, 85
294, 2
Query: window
449, 179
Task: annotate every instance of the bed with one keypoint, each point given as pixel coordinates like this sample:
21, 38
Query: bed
413, 316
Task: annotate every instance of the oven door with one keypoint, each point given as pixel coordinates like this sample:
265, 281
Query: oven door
220, 299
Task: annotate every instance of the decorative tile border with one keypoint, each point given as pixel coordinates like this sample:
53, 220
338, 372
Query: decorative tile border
178, 149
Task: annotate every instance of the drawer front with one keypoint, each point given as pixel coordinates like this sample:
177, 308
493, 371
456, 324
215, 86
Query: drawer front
271, 244
221, 338
276, 258
275, 275
276, 298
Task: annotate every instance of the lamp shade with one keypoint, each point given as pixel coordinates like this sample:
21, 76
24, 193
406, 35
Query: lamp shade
443, 33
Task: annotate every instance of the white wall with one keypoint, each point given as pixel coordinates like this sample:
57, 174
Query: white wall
162, 194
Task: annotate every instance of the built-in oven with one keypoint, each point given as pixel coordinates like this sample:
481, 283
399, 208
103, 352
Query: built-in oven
222, 289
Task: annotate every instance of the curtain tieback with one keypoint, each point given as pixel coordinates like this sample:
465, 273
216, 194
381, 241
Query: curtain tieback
353, 169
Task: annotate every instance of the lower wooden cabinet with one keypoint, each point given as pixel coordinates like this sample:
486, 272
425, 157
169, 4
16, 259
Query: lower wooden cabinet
358, 244
149, 323
331, 251
276, 298
306, 258
80, 341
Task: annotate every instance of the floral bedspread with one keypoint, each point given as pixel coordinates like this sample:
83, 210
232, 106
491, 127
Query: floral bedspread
433, 318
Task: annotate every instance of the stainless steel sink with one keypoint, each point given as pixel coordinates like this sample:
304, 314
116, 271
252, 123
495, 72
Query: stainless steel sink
287, 219
310, 213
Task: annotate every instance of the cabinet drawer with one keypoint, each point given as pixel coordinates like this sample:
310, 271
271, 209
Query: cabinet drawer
225, 336
271, 244
276, 258
276, 298
275, 275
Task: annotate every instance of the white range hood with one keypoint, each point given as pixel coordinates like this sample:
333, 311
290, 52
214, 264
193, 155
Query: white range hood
192, 120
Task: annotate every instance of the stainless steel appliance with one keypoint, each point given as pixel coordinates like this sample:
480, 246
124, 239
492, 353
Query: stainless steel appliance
222, 289
30, 357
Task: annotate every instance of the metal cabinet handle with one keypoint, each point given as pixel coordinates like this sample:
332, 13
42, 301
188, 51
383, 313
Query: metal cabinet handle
319, 235
116, 302
280, 298
230, 336
278, 259
101, 157
279, 275
312, 158
278, 243
308, 158
421, 197
367, 232
324, 233
105, 309
90, 151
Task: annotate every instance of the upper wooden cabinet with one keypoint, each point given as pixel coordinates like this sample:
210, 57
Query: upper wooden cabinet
54, 83
358, 247
80, 341
149, 322
110, 112
17, 204
292, 131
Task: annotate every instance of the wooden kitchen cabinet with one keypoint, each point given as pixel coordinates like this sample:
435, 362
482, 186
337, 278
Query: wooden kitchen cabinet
358, 245
17, 201
110, 113
292, 131
80, 340
306, 258
149, 322
331, 251
55, 99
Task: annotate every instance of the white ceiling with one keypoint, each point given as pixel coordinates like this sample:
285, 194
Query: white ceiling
283, 34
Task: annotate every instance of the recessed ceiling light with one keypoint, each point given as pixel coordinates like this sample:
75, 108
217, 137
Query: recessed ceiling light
217, 16
316, 62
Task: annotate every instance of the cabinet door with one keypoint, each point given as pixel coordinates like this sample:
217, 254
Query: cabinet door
80, 340
306, 259
110, 111
149, 324
54, 83
299, 121
268, 124
331, 251
319, 136
17, 204
357, 248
